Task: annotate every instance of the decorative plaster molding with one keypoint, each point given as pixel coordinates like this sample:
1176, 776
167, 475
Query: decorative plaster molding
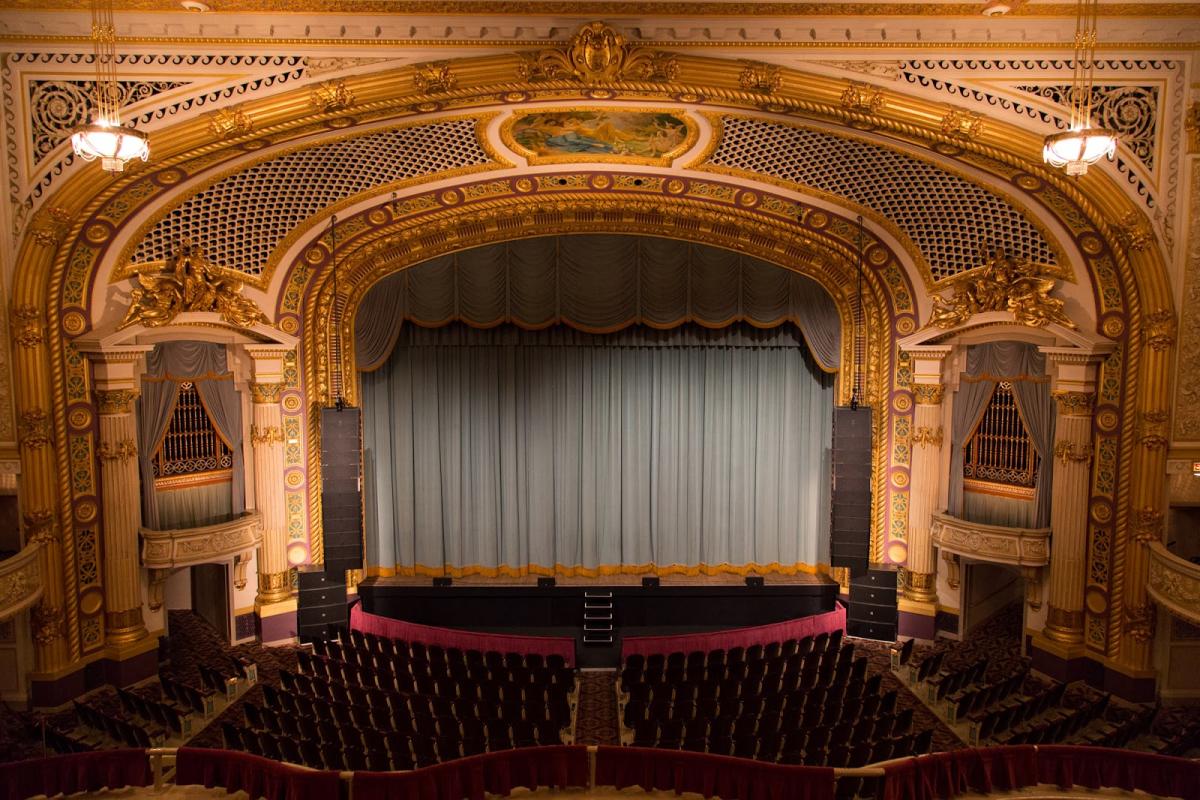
929, 394
228, 123
115, 401
33, 429
28, 326
762, 78
20, 580
164, 552
271, 434
1075, 404
926, 437
962, 124
863, 98
1174, 583
1023, 547
1066, 452
121, 451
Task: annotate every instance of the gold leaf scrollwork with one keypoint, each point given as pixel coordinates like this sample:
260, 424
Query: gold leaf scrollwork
926, 437
1075, 404
863, 97
266, 392
115, 401
331, 96
33, 429
761, 78
271, 434
929, 394
598, 54
1066, 452
1033, 587
1153, 429
50, 226
1148, 525
1134, 232
1139, 622
122, 451
28, 326
191, 283
229, 122
47, 623
434, 77
962, 124
1160, 329
39, 526
952, 568
1002, 284
1191, 122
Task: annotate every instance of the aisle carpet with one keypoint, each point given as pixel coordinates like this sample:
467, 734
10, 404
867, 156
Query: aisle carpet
596, 715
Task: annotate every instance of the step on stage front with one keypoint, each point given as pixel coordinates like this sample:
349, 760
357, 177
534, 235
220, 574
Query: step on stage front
677, 605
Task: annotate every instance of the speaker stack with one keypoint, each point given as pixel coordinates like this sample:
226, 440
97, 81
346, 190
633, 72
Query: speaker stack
322, 598
871, 612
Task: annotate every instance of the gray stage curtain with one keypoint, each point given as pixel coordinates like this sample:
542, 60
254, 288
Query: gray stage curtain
1025, 367
598, 284
169, 364
505, 451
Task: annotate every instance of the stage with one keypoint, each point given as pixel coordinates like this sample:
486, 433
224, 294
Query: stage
680, 604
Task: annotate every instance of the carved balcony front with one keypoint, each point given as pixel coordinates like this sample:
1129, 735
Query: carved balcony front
1174, 583
1025, 548
20, 581
165, 552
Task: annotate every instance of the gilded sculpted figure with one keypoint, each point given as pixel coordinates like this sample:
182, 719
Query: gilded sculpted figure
190, 283
1002, 285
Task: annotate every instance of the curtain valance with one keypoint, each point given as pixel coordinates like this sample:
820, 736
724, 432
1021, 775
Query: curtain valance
596, 284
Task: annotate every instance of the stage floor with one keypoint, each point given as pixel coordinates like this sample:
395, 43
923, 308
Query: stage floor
769, 578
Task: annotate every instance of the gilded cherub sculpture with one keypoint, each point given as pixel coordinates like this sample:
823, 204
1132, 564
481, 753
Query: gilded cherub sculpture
1003, 284
190, 283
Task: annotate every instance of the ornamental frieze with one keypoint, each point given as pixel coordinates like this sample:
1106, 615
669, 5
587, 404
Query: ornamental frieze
20, 581
996, 543
208, 544
1174, 583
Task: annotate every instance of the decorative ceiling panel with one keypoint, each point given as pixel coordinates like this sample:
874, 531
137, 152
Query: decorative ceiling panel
241, 219
950, 219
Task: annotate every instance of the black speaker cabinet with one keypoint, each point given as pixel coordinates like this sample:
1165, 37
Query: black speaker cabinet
545, 583
341, 488
850, 524
754, 581
443, 581
321, 602
650, 583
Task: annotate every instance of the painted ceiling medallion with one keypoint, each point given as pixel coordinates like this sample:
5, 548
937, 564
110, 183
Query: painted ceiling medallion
632, 136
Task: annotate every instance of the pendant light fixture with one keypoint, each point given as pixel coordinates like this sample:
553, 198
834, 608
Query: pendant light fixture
105, 138
1082, 144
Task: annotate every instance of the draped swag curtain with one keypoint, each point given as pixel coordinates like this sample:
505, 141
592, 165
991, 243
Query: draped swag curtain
598, 284
1025, 368
511, 452
204, 364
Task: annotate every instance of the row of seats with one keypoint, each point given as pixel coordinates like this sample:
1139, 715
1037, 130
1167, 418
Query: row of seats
384, 673
943, 684
771, 685
981, 698
920, 671
755, 652
167, 715
795, 655
1037, 723
434, 655
1120, 732
810, 668
198, 699
120, 730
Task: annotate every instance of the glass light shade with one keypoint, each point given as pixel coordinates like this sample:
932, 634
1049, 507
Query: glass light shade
1078, 148
113, 145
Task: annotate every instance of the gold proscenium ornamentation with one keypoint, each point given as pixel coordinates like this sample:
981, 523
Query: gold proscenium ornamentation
1148, 526
598, 54
1134, 232
229, 122
761, 78
1139, 622
1191, 123
1002, 284
929, 394
270, 434
1160, 329
434, 77
862, 97
39, 526
1152, 433
331, 96
28, 326
121, 451
50, 226
33, 429
1066, 452
926, 436
962, 124
191, 283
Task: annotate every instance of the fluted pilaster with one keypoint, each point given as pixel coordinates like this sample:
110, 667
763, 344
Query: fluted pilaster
1068, 514
266, 437
927, 440
122, 515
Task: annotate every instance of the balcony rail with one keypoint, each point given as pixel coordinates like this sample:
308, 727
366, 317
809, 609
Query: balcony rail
1174, 583
1055, 768
20, 581
164, 552
1020, 547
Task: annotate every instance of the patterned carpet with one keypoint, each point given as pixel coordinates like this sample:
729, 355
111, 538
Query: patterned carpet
596, 716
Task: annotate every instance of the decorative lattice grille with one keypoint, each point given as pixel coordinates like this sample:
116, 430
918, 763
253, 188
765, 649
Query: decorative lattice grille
951, 220
191, 445
1000, 451
240, 219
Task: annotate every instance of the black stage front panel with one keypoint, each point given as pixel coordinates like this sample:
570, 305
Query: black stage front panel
635, 607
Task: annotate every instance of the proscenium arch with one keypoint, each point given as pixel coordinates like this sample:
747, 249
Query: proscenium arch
65, 251
782, 231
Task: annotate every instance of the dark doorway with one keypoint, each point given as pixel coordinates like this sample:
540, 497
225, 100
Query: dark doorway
210, 595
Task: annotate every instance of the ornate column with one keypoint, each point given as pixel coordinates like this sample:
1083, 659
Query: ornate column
115, 371
1074, 389
266, 437
927, 438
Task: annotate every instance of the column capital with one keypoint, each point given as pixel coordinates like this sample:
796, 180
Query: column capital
115, 401
1074, 369
1074, 403
116, 367
266, 361
928, 394
265, 393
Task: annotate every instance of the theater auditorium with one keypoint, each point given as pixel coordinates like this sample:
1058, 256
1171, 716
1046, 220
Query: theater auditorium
747, 400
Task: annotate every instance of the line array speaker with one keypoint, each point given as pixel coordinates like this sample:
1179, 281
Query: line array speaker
341, 488
850, 525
